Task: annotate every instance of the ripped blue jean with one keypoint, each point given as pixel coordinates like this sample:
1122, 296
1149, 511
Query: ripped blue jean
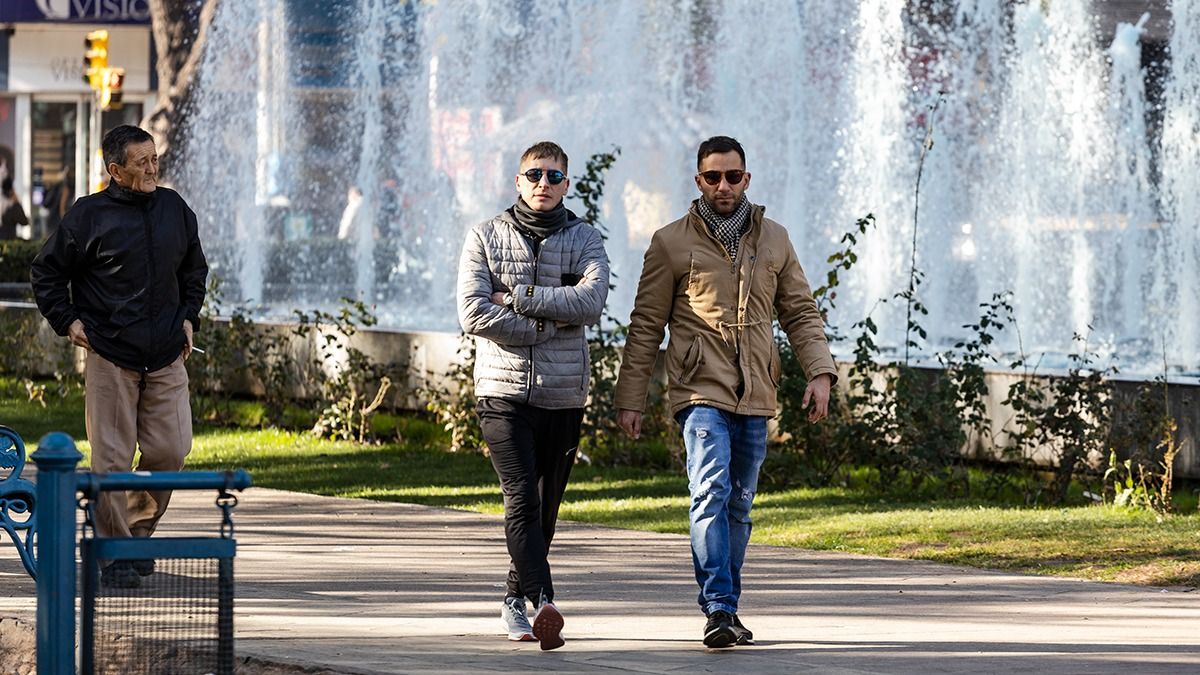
724, 454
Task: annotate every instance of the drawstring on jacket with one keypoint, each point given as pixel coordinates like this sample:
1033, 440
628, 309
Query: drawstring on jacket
722, 325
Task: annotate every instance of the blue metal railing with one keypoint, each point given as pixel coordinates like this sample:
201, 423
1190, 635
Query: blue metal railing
57, 486
56, 459
17, 499
91, 483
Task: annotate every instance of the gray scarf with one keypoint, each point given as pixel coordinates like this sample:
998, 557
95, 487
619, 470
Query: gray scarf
727, 230
540, 224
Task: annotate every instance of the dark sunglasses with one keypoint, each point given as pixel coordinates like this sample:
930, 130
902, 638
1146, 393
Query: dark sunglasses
553, 176
732, 176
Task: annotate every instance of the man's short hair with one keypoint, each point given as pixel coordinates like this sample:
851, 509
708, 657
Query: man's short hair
116, 143
545, 150
718, 144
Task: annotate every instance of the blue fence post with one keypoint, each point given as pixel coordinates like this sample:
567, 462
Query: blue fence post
56, 459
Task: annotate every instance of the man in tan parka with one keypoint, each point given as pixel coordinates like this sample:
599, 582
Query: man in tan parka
719, 277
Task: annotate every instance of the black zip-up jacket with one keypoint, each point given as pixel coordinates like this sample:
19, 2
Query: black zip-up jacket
130, 267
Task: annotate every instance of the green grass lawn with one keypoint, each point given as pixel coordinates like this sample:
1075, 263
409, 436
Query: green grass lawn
1088, 541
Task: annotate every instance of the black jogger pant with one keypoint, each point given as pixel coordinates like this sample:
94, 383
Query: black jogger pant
532, 451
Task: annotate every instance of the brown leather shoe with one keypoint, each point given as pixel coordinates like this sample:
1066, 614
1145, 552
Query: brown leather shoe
120, 574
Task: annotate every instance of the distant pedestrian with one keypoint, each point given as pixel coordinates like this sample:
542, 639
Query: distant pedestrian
719, 277
58, 199
529, 280
124, 277
11, 212
348, 223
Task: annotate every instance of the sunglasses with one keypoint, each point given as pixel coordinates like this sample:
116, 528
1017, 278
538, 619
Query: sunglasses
732, 176
553, 176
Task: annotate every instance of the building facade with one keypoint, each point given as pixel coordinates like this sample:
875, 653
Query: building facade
50, 127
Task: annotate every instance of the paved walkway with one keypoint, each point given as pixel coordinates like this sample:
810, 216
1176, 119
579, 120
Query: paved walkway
353, 586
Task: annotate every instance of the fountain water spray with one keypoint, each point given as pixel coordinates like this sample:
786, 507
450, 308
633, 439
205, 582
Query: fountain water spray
1045, 178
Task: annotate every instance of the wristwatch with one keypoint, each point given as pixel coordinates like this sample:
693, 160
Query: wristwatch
507, 300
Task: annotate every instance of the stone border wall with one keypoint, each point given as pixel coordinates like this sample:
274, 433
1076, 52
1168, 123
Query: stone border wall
430, 355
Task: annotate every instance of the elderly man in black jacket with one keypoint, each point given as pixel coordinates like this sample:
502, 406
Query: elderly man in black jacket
123, 277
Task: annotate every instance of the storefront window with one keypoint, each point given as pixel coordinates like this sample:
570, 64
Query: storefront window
53, 156
8, 137
130, 113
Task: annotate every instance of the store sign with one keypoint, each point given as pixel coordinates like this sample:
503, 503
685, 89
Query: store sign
48, 57
76, 11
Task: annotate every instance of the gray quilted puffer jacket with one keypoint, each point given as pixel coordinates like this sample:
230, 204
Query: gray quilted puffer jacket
535, 351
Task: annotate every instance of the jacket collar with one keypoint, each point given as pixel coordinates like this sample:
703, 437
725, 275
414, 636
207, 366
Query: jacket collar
507, 218
127, 196
757, 212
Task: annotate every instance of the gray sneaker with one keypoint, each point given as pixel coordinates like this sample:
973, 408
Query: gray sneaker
516, 623
547, 625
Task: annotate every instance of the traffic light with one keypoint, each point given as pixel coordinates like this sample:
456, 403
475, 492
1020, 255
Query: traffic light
95, 59
110, 89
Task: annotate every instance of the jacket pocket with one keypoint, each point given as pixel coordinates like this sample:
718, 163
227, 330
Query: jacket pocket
122, 313
585, 354
692, 361
774, 367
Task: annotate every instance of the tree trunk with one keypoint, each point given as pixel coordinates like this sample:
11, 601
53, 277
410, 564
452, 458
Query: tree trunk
180, 32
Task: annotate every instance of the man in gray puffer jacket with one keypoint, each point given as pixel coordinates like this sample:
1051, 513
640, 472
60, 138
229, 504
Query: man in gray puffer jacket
529, 281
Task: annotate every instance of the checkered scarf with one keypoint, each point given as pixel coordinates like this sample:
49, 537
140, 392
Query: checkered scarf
729, 230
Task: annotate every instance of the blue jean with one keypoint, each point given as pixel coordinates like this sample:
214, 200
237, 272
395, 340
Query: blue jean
724, 454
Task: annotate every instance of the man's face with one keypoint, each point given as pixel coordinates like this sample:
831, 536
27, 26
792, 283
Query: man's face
542, 195
140, 170
723, 196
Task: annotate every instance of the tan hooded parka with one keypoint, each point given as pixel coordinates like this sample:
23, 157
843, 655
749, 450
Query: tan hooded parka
720, 315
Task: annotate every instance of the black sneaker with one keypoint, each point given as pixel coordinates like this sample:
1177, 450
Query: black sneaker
744, 635
145, 568
120, 574
718, 632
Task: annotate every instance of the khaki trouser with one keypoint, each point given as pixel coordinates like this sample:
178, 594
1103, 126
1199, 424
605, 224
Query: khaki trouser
121, 417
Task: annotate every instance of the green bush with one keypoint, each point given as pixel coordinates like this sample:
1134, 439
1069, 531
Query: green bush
16, 255
815, 453
453, 404
1144, 432
23, 353
352, 385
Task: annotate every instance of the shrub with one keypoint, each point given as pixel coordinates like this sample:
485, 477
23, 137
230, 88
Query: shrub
16, 256
453, 404
352, 386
